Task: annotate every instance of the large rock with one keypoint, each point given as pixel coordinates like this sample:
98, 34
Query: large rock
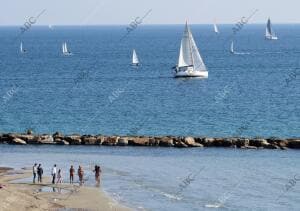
222, 142
259, 143
241, 142
111, 141
153, 142
180, 144
73, 139
138, 141
18, 141
89, 140
123, 141
294, 143
190, 141
59, 141
27, 138
45, 139
207, 142
165, 141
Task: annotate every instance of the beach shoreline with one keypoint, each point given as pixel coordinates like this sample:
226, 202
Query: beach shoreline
150, 141
27, 196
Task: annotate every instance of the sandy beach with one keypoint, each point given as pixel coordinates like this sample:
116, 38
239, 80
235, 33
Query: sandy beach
26, 196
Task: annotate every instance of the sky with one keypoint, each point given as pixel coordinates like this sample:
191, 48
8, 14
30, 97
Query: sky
119, 12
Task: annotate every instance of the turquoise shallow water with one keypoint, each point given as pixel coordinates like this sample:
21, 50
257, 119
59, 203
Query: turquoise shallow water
153, 178
97, 91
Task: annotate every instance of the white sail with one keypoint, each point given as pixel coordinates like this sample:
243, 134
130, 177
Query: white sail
189, 54
270, 34
66, 48
197, 59
63, 48
216, 28
135, 59
185, 56
21, 47
231, 48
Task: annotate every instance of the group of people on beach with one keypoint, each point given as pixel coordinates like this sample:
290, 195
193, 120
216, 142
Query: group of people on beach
57, 174
37, 171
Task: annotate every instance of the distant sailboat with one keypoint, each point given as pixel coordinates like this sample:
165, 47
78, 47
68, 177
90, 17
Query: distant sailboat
50, 27
135, 59
270, 34
232, 48
22, 50
190, 63
232, 51
216, 28
65, 50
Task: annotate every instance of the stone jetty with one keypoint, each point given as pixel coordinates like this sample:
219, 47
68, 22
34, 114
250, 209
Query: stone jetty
149, 141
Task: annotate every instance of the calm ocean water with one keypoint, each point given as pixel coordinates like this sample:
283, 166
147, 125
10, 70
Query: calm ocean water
153, 178
97, 91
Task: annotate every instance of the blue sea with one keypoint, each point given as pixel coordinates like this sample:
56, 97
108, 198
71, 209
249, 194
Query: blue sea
97, 91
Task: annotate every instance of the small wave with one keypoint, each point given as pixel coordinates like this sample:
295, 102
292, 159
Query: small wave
241, 53
213, 205
170, 196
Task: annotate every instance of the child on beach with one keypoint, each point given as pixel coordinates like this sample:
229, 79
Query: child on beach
59, 177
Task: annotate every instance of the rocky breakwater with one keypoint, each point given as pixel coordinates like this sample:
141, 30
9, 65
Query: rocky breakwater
150, 141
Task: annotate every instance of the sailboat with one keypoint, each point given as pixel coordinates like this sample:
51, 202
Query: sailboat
65, 50
231, 48
135, 59
232, 51
22, 50
190, 63
270, 34
216, 28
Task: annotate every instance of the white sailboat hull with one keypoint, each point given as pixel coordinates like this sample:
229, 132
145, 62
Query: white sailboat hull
271, 38
67, 54
191, 73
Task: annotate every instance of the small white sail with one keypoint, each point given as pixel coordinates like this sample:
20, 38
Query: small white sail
63, 48
270, 34
232, 48
232, 51
22, 50
216, 28
135, 59
66, 48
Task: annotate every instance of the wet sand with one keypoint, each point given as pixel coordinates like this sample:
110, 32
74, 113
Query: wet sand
25, 196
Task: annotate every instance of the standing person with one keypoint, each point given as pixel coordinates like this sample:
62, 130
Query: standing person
59, 176
53, 173
40, 172
72, 172
34, 171
80, 174
97, 174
